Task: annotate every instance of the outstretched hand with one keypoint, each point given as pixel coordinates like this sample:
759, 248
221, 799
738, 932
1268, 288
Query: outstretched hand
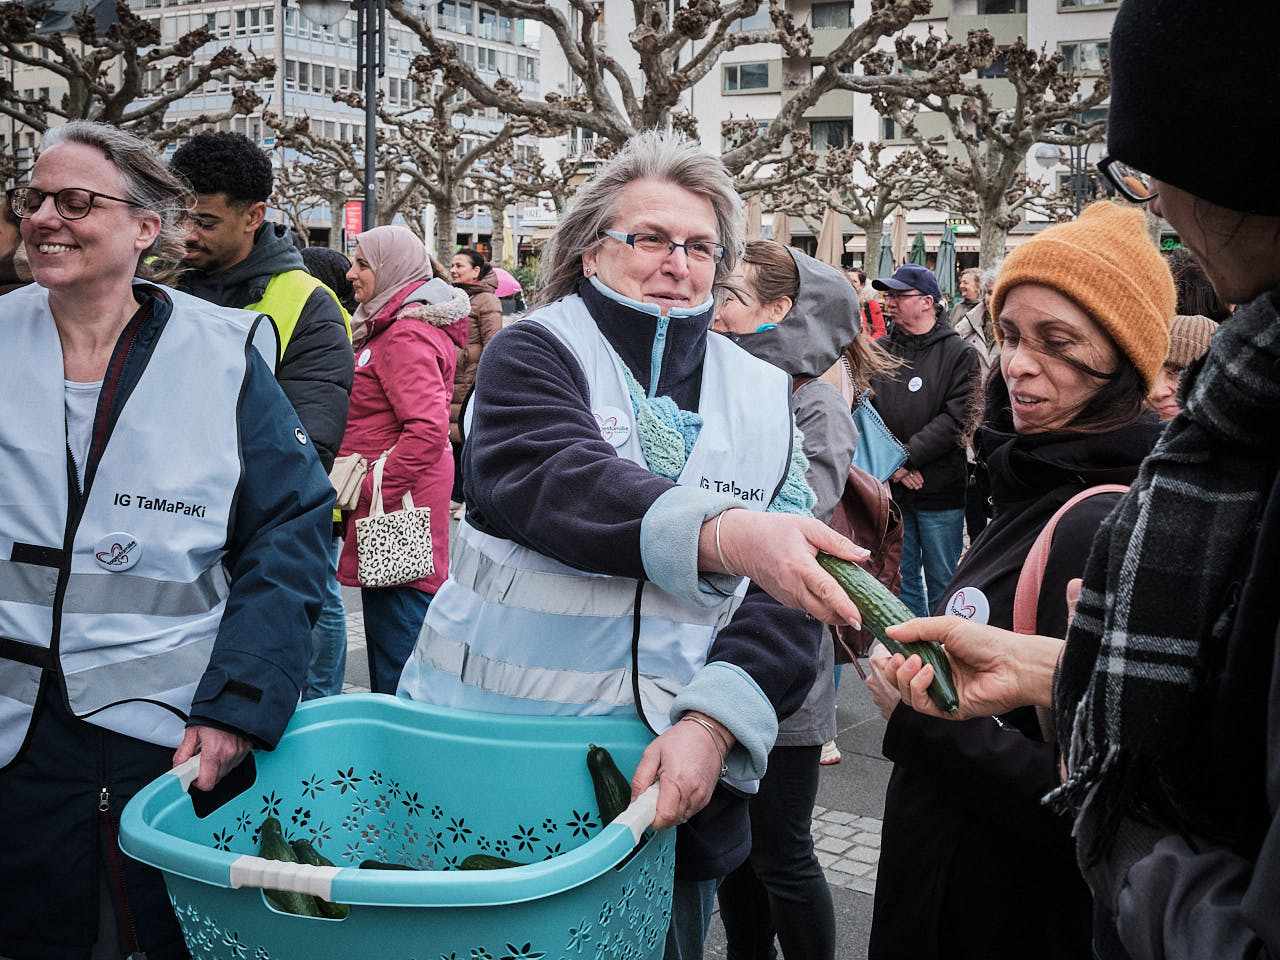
776, 552
994, 670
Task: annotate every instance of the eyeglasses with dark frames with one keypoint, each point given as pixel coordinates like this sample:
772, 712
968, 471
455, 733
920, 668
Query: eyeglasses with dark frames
655, 244
72, 203
1133, 184
896, 295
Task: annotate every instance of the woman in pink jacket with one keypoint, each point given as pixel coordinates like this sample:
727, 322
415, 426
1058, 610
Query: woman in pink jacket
406, 331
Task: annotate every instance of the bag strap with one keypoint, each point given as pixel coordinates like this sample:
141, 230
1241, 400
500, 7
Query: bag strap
375, 494
1027, 597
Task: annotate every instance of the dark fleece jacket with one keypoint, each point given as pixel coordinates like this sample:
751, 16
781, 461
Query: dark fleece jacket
316, 369
930, 419
533, 458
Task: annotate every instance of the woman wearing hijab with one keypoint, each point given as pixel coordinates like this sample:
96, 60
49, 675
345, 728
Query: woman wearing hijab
406, 332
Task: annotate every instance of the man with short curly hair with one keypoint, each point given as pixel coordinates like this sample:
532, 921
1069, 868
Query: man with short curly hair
236, 258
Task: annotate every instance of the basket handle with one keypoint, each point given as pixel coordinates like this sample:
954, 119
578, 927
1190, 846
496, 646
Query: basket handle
638, 817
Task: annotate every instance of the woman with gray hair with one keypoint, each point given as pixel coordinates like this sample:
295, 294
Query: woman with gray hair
164, 524
620, 461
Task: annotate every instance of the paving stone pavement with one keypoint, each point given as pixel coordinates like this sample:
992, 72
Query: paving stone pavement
846, 822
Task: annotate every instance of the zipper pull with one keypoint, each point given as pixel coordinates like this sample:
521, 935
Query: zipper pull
104, 801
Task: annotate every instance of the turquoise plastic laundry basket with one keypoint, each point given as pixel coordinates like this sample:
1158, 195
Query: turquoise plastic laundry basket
372, 777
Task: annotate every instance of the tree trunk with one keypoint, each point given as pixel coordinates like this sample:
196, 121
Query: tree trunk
496, 241
991, 242
337, 220
446, 229
871, 259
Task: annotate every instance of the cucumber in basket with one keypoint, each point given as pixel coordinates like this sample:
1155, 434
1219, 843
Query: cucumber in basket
310, 855
880, 609
275, 847
613, 790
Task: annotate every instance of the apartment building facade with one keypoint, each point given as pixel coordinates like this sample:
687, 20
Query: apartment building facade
312, 63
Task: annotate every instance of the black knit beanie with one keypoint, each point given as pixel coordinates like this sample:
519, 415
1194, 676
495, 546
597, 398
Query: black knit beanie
1195, 97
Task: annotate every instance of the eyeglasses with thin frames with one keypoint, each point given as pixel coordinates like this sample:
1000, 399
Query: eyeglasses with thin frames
655, 244
1133, 184
895, 295
72, 203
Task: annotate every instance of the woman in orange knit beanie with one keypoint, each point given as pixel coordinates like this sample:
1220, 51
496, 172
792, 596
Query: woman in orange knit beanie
1082, 314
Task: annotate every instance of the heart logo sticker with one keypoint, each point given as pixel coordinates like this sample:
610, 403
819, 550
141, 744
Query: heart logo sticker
117, 551
971, 604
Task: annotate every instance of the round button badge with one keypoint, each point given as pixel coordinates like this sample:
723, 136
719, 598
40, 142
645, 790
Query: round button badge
615, 426
971, 604
365, 354
117, 551
914, 384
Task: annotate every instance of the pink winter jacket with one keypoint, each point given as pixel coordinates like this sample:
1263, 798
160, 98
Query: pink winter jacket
400, 398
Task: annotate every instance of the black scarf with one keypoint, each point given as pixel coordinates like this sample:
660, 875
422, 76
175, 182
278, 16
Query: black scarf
1158, 600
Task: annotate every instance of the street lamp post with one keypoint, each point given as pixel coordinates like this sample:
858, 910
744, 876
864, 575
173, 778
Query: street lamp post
371, 27
1049, 156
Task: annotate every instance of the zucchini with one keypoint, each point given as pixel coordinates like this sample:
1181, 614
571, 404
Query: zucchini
483, 861
310, 855
273, 846
613, 790
880, 609
379, 865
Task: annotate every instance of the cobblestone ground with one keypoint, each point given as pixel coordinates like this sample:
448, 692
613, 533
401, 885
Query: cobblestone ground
848, 845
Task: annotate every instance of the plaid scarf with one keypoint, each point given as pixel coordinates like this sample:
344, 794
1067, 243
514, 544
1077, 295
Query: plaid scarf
1160, 591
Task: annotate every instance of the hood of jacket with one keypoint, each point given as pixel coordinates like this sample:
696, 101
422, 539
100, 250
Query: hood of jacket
1025, 466
486, 284
244, 283
413, 302
824, 319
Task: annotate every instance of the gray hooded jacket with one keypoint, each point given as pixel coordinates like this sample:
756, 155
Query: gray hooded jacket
824, 319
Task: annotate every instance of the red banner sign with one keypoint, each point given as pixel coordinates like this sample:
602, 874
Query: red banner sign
353, 218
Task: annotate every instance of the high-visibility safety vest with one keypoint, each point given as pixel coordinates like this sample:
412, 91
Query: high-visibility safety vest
123, 601
514, 631
283, 300
285, 296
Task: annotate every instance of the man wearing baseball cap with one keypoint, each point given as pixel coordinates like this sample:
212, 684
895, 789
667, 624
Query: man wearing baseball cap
926, 405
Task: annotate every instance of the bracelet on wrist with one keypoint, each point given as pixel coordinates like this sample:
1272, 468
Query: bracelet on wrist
715, 740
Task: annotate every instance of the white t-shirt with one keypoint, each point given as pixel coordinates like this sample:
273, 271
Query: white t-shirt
82, 405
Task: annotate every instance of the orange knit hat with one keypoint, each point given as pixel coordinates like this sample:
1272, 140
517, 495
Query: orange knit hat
1105, 262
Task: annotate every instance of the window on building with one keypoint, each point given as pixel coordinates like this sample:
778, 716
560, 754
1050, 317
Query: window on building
487, 24
995, 69
1084, 56
291, 74
486, 59
527, 68
832, 16
43, 93
330, 79
344, 78
889, 129
760, 20
991, 8
830, 134
1086, 4
290, 21
746, 76
304, 75
451, 15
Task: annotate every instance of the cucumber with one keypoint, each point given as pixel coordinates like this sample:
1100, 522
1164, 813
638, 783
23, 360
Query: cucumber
274, 847
310, 855
379, 865
613, 790
880, 609
483, 861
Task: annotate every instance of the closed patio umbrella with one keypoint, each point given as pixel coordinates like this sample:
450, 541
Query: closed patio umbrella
754, 230
917, 250
782, 227
898, 238
945, 270
830, 240
885, 266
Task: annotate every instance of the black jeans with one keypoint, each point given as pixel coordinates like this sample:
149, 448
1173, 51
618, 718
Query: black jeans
781, 888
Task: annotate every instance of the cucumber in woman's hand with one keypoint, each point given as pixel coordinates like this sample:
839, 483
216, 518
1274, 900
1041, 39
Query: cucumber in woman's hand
880, 609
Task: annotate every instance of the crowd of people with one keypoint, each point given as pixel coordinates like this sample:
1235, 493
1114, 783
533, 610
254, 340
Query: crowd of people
1096, 415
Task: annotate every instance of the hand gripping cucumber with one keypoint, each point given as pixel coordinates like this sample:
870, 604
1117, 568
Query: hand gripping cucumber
880, 609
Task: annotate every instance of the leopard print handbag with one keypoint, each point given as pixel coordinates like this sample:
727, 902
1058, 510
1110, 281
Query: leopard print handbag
393, 548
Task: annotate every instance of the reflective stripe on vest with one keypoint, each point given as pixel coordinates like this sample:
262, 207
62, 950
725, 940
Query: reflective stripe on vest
514, 631
133, 644
286, 294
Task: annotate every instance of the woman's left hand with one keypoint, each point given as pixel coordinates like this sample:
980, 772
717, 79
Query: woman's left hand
686, 764
220, 751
